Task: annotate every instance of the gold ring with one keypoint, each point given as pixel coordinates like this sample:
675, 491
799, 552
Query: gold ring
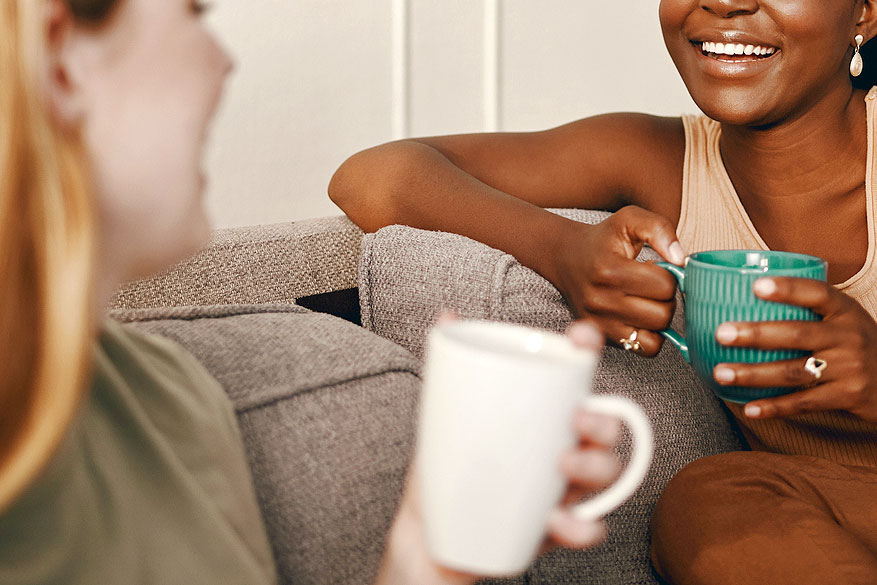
630, 343
815, 366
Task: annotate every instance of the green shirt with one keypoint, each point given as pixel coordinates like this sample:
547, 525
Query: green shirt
150, 487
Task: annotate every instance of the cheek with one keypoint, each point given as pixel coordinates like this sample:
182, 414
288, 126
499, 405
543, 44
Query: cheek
146, 157
672, 15
818, 29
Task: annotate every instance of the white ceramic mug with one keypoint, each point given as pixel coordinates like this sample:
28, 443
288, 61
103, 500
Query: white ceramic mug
496, 415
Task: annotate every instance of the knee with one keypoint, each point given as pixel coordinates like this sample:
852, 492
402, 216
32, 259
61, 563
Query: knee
693, 510
679, 507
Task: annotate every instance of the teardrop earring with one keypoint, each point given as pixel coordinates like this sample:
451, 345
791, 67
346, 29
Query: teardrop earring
856, 65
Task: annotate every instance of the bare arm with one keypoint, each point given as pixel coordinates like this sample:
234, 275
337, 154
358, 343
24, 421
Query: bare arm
492, 187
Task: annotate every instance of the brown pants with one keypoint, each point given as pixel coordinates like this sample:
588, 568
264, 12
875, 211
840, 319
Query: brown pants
755, 518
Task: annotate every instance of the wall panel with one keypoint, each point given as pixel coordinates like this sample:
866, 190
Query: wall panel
314, 84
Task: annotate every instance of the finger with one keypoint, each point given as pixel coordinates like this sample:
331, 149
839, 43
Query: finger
643, 226
637, 312
585, 335
597, 430
831, 396
801, 335
634, 278
565, 530
820, 296
590, 469
787, 373
447, 316
650, 343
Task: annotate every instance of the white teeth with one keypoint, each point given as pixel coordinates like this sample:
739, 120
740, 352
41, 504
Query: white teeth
736, 49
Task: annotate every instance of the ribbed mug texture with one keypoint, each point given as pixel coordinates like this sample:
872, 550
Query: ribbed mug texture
718, 289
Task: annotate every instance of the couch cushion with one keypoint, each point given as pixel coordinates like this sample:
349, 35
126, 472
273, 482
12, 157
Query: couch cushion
408, 275
327, 413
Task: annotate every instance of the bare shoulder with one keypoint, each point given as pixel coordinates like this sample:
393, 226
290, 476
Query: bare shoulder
645, 153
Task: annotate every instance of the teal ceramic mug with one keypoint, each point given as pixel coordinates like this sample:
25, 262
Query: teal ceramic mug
717, 288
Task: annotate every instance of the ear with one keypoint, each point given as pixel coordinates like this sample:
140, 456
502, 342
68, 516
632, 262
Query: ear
867, 22
59, 69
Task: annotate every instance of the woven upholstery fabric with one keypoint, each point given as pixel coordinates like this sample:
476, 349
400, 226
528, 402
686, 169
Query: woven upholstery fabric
409, 275
327, 413
276, 263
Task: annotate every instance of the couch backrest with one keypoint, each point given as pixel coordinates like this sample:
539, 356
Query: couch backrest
276, 263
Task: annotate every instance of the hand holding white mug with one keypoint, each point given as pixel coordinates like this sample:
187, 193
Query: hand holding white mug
586, 467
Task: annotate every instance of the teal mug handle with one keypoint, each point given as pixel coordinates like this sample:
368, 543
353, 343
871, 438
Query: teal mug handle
671, 334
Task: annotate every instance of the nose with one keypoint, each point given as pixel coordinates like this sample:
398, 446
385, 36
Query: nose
730, 8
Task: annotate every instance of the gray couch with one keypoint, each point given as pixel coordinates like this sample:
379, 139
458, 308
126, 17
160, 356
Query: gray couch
317, 333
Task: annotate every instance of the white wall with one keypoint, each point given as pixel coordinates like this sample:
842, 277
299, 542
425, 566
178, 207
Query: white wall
313, 85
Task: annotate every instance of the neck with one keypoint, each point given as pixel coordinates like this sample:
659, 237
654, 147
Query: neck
801, 156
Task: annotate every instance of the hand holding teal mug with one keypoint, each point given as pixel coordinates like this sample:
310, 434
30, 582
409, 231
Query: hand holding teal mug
717, 288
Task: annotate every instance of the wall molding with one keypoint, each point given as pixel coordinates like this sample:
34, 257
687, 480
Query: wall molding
492, 72
401, 44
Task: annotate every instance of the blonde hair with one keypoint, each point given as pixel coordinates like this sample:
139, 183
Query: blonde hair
47, 241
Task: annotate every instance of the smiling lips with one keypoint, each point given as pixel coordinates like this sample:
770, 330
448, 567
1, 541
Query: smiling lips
735, 51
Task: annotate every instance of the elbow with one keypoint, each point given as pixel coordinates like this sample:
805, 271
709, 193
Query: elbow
343, 186
367, 185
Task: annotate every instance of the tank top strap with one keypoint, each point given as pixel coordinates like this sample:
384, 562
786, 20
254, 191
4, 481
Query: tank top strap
711, 216
862, 285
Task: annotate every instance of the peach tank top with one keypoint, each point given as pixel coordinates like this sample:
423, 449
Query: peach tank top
713, 218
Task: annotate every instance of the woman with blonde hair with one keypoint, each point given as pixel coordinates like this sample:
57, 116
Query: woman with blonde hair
120, 458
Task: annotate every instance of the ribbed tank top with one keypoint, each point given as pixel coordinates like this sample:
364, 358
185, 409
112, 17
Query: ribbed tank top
713, 218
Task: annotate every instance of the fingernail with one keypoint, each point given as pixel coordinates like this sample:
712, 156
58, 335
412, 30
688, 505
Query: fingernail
573, 531
598, 428
677, 254
726, 333
590, 466
724, 375
765, 286
585, 335
752, 411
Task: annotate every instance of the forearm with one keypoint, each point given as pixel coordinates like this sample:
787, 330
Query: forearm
413, 184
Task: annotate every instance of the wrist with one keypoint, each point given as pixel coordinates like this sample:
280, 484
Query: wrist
397, 564
406, 560
560, 237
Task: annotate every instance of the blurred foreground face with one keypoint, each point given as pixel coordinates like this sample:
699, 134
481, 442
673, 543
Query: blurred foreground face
150, 79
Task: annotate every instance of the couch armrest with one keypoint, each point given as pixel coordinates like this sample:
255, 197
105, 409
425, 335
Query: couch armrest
278, 263
407, 276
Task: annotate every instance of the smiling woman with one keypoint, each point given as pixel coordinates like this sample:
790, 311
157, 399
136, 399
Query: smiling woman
783, 158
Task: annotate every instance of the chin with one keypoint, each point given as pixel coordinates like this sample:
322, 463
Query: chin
735, 107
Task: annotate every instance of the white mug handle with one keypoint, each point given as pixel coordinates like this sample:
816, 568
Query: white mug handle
633, 475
